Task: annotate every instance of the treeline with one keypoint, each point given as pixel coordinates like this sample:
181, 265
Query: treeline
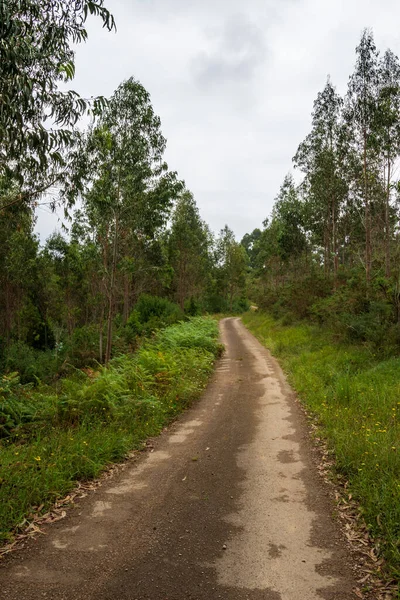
137, 255
330, 250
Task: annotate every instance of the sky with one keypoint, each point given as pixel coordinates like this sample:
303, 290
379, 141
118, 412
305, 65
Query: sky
233, 83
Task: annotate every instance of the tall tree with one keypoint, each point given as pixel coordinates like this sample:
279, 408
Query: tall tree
37, 119
188, 249
319, 157
132, 190
232, 264
288, 213
361, 106
388, 132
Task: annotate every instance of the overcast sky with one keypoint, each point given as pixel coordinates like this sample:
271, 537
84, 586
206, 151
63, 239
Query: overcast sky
233, 83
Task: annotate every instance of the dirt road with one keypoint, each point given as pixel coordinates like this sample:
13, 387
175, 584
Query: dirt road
227, 505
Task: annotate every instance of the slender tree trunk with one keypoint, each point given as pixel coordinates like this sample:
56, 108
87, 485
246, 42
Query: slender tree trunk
387, 224
8, 312
367, 217
231, 293
334, 246
101, 333
182, 282
126, 308
111, 294
103, 287
326, 254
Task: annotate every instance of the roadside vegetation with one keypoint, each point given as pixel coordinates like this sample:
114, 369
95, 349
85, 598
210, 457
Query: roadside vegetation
355, 396
53, 436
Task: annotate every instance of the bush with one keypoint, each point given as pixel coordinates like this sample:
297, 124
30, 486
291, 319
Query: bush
32, 365
197, 333
192, 308
361, 315
151, 313
83, 347
215, 304
240, 305
15, 407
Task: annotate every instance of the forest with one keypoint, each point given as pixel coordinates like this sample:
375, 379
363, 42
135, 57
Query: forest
329, 252
104, 337
135, 253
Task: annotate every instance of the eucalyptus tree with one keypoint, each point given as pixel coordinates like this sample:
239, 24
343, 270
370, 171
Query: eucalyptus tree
132, 190
388, 133
319, 156
288, 217
232, 265
360, 111
189, 245
37, 119
18, 270
250, 243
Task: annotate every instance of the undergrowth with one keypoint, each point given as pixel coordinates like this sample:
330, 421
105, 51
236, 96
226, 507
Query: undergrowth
355, 397
51, 437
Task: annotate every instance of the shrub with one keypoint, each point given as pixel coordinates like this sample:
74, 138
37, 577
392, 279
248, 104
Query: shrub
192, 307
216, 304
32, 365
15, 407
151, 313
240, 305
83, 347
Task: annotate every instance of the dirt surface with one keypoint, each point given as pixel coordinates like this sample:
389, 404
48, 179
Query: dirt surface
228, 505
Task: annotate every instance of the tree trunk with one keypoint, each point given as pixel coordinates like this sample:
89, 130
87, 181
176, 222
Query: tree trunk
111, 295
387, 224
326, 254
101, 334
367, 217
126, 308
334, 247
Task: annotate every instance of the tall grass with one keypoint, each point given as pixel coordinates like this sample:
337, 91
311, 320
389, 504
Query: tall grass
51, 438
356, 399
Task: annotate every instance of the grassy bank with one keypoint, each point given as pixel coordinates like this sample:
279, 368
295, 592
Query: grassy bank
51, 438
356, 399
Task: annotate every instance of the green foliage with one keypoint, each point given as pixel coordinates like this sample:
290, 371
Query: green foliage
83, 347
37, 119
354, 397
189, 243
32, 365
192, 307
96, 417
230, 273
151, 313
15, 407
295, 298
198, 332
215, 304
288, 214
131, 192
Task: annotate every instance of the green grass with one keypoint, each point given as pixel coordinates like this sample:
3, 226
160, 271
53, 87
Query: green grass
355, 397
53, 438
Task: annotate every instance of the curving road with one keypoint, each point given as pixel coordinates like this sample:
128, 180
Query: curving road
227, 505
